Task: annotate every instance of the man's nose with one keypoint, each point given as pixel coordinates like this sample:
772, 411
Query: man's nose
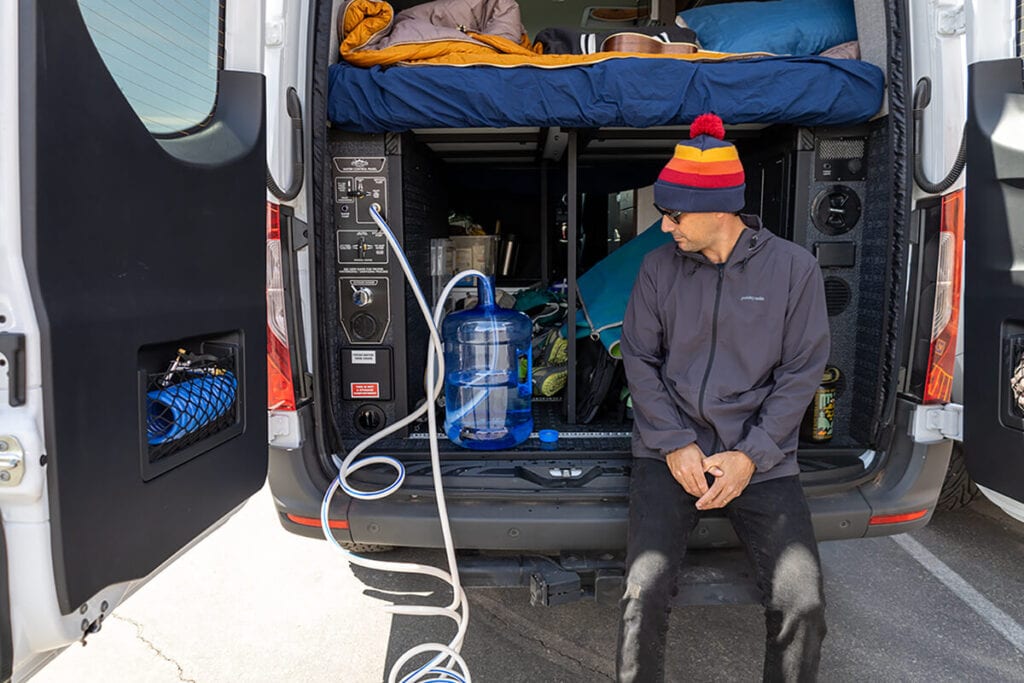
667, 225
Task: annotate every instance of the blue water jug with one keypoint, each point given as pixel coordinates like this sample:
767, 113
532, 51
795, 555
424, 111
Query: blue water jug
487, 375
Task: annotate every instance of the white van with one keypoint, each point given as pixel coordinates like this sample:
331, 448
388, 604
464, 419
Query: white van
147, 272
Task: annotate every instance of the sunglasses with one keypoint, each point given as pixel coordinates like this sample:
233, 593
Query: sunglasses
673, 216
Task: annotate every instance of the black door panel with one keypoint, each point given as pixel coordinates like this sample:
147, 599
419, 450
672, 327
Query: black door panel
994, 285
137, 246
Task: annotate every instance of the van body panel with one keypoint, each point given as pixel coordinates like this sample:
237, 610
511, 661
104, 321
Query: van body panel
994, 283
938, 42
123, 245
992, 29
109, 291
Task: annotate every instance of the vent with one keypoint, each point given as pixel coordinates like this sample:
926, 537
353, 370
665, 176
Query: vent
837, 295
832, 149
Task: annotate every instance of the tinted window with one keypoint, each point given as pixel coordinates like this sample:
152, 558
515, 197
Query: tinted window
163, 54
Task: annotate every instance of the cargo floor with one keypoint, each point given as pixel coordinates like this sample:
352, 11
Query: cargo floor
605, 438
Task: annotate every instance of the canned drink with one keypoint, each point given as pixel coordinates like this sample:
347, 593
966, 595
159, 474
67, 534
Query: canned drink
817, 424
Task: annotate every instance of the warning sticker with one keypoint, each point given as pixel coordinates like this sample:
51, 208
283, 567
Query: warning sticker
365, 389
364, 358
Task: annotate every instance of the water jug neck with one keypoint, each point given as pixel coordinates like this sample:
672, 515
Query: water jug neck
485, 292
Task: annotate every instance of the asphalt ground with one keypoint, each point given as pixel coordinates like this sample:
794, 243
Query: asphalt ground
254, 603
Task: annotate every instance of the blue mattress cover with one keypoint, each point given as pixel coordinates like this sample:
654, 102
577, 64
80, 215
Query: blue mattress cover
631, 92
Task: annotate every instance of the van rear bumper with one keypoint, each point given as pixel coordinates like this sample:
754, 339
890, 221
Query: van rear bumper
558, 526
909, 479
507, 521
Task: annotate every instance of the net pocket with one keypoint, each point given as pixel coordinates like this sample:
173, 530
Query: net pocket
193, 399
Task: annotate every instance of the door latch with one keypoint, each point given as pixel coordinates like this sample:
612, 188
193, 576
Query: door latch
12, 461
932, 424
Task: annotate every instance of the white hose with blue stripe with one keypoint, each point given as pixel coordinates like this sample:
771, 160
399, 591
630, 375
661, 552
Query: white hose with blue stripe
433, 383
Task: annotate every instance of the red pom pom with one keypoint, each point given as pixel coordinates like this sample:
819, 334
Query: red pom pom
708, 124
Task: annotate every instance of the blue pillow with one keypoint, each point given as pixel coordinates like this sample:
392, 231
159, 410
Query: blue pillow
782, 27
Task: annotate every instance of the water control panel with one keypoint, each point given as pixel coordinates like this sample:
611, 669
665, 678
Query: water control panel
378, 337
363, 253
364, 270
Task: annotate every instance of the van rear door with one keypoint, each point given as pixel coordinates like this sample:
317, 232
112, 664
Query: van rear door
132, 316
994, 286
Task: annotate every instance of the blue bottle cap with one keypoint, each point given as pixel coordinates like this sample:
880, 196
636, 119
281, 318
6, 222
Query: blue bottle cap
548, 435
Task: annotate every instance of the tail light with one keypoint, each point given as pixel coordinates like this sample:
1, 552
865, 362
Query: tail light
280, 389
314, 521
946, 317
897, 519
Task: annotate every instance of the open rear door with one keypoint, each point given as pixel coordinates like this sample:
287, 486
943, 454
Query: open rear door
994, 286
142, 337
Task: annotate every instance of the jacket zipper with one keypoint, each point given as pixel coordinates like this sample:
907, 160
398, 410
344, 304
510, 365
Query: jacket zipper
714, 344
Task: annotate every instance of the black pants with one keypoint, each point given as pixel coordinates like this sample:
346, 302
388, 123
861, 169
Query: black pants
772, 520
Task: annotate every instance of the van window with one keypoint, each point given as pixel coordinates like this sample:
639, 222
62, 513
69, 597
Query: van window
164, 55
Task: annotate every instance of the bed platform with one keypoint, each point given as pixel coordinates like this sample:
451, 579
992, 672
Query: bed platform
619, 92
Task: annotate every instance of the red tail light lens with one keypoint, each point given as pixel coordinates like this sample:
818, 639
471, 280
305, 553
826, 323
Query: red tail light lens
310, 521
280, 389
946, 318
897, 519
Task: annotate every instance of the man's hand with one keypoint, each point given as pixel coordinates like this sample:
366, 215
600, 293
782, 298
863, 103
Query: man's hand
687, 466
732, 471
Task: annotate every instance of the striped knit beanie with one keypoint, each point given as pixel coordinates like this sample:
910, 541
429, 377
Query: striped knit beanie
705, 174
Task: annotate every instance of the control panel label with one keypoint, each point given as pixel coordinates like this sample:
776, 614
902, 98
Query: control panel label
365, 389
358, 164
364, 357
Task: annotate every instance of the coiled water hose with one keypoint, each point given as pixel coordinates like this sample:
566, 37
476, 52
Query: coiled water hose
458, 609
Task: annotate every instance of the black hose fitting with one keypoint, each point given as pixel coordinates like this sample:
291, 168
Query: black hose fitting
298, 165
922, 97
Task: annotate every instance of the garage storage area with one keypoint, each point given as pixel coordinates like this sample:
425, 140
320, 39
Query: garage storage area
550, 170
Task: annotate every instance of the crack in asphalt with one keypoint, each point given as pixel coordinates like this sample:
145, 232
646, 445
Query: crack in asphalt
550, 646
153, 647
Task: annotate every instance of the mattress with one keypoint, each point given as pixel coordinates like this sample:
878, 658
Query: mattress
634, 92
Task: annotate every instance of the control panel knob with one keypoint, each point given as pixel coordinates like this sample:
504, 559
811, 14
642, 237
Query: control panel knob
362, 296
364, 326
369, 419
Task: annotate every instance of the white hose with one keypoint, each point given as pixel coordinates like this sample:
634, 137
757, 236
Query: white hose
433, 383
